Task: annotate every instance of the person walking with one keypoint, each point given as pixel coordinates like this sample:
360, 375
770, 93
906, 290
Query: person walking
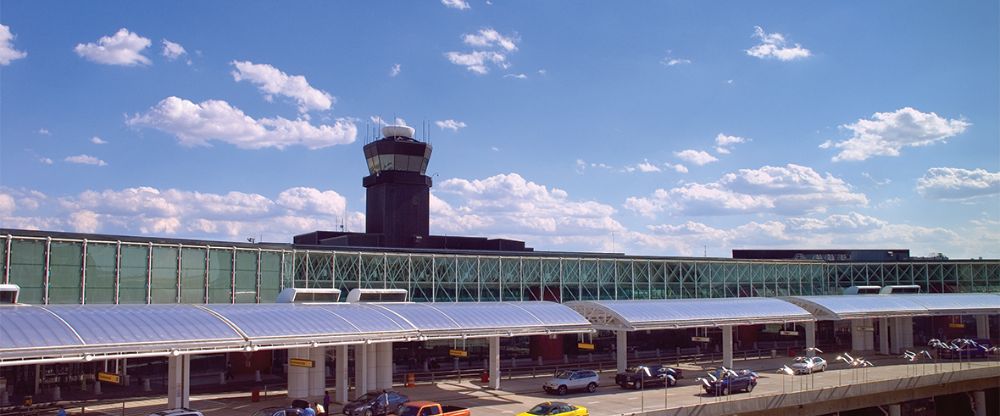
326, 400
320, 409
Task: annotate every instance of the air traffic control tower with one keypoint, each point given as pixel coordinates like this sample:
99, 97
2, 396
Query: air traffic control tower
397, 207
398, 197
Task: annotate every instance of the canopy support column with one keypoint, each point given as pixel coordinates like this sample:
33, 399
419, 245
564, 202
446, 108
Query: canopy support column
298, 377
907, 332
370, 368
317, 374
869, 332
979, 397
340, 380
494, 363
896, 343
857, 335
178, 381
983, 326
883, 336
895, 409
727, 346
360, 370
621, 349
810, 338
383, 363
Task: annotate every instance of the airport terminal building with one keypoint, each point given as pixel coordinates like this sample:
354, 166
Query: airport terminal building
397, 251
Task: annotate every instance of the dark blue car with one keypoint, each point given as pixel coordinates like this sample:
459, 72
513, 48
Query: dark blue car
728, 381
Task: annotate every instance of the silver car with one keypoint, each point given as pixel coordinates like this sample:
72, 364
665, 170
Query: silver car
567, 380
808, 365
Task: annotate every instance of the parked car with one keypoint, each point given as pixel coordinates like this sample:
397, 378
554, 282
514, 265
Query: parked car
278, 411
376, 404
726, 381
572, 380
648, 375
556, 409
425, 408
182, 411
808, 365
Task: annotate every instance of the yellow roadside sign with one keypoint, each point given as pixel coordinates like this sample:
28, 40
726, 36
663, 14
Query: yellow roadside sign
300, 362
109, 377
458, 353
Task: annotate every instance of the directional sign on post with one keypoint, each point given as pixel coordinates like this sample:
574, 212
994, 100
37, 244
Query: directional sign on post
109, 377
458, 353
585, 346
788, 332
300, 362
700, 339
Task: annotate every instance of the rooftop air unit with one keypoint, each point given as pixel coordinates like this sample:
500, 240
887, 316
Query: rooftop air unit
308, 295
8, 294
377, 295
900, 289
862, 290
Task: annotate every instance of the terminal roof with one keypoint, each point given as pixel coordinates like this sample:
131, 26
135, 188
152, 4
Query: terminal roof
838, 307
82, 332
633, 315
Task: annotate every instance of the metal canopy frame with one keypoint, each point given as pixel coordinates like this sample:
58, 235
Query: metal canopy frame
841, 307
637, 315
79, 333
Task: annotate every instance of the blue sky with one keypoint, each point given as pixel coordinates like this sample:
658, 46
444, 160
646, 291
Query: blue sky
667, 128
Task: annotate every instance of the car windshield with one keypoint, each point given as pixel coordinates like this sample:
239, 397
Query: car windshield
542, 409
801, 360
564, 374
409, 410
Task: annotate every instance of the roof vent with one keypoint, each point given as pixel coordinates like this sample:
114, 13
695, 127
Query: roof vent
377, 295
862, 290
308, 295
8, 294
398, 131
901, 289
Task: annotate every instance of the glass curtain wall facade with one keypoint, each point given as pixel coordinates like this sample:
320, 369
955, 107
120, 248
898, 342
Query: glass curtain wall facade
68, 270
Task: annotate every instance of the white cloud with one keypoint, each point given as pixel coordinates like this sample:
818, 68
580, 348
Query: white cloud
98, 140
172, 50
476, 61
123, 48
774, 45
789, 189
85, 160
877, 182
494, 148
7, 52
679, 168
508, 205
645, 167
271, 81
198, 124
516, 76
450, 124
958, 183
490, 38
697, 157
724, 142
181, 213
675, 61
45, 161
456, 4
44, 132
885, 134
396, 68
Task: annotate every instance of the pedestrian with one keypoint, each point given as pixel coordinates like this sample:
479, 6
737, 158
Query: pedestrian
320, 409
326, 400
61, 411
308, 411
229, 371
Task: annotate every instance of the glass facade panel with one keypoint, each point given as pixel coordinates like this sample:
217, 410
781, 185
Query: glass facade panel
27, 270
65, 269
246, 276
163, 287
132, 273
270, 276
193, 275
220, 276
101, 260
3, 259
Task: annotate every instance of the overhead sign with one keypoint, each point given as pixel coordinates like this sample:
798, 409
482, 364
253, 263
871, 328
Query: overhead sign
300, 362
458, 353
109, 377
788, 332
700, 339
957, 326
585, 346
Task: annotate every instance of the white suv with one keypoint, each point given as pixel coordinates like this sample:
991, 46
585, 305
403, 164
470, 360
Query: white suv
572, 380
178, 412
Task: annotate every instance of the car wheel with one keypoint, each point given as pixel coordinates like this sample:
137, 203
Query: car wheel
369, 412
750, 387
637, 385
562, 390
592, 387
725, 391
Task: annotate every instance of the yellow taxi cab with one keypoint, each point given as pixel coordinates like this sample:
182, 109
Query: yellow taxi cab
556, 409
